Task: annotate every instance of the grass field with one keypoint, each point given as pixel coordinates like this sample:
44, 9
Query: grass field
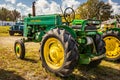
4, 30
31, 68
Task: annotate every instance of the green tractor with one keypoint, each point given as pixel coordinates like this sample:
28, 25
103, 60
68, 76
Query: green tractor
111, 36
63, 46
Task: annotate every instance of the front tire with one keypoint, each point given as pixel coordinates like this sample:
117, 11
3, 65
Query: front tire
19, 49
59, 52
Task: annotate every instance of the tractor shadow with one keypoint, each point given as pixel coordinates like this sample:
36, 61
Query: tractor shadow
9, 75
30, 60
98, 73
117, 61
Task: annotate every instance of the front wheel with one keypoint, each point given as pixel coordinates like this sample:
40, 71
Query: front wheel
19, 49
59, 52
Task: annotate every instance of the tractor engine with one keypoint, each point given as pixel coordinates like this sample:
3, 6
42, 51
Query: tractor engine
36, 27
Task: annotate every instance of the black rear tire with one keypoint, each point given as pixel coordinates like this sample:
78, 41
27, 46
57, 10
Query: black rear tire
70, 52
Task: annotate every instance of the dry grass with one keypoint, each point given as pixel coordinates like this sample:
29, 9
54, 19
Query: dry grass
4, 30
15, 69
31, 68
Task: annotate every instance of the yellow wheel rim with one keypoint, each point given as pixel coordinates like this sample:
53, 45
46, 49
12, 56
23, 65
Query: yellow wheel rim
54, 53
18, 49
112, 47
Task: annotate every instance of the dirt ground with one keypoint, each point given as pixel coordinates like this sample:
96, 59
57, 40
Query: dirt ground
30, 68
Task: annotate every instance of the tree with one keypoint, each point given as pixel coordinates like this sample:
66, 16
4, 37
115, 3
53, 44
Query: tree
95, 8
6, 14
3, 13
15, 14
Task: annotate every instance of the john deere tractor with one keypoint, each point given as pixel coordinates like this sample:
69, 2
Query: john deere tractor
111, 36
62, 46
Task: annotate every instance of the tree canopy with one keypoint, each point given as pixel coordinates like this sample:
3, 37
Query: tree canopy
94, 8
8, 15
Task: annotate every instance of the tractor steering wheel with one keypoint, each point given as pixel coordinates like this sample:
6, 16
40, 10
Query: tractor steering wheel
69, 14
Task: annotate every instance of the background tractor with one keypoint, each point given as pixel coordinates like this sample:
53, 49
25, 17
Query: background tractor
17, 28
111, 36
62, 46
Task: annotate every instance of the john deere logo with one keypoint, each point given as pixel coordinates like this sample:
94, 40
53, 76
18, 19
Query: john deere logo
34, 20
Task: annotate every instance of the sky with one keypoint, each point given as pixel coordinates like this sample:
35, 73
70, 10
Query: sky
50, 6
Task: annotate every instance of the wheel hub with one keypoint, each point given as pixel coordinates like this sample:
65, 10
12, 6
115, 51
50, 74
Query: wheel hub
54, 53
112, 47
18, 50
111, 44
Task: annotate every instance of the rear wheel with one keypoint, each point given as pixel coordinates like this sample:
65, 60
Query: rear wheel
19, 49
59, 52
112, 40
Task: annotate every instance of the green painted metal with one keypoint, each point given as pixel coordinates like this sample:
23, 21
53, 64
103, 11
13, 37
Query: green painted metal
101, 33
85, 50
44, 20
113, 29
78, 22
83, 23
84, 59
42, 24
17, 49
81, 40
36, 27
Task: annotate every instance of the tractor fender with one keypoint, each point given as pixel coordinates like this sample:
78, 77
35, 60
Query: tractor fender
69, 29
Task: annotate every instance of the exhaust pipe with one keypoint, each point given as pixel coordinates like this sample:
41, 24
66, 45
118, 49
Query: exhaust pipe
33, 8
